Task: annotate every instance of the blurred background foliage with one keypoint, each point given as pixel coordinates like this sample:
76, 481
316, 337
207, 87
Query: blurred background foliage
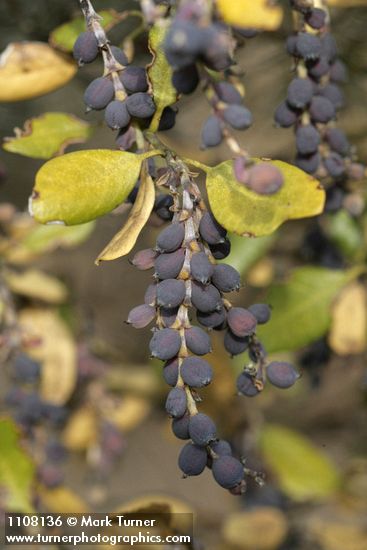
310, 441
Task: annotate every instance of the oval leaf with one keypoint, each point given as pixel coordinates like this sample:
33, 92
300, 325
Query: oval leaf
16, 469
48, 135
125, 239
256, 14
302, 307
31, 69
64, 36
160, 75
246, 213
303, 472
81, 186
349, 321
56, 352
36, 285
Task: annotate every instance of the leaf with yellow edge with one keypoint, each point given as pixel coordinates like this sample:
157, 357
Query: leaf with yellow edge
348, 331
125, 239
302, 470
61, 500
64, 36
16, 469
56, 352
247, 213
48, 135
160, 75
31, 69
255, 14
78, 187
36, 285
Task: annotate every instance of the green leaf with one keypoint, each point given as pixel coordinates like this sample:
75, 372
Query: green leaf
246, 252
301, 307
48, 135
16, 469
247, 213
160, 75
345, 232
81, 186
303, 472
63, 37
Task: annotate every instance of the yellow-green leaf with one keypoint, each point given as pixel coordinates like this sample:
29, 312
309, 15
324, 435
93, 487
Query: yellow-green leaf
247, 213
48, 135
64, 36
36, 285
81, 186
31, 69
256, 14
301, 307
39, 239
16, 469
160, 75
125, 239
302, 470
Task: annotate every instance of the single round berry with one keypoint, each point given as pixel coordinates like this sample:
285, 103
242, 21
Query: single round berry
235, 345
120, 56
197, 341
85, 49
337, 141
227, 471
165, 344
308, 46
281, 374
196, 372
140, 105
171, 293
210, 230
238, 117
116, 115
186, 80
308, 163
205, 298
170, 239
99, 93
285, 116
211, 133
201, 268
335, 165
222, 250
213, 319
141, 316
180, 427
228, 93
307, 139
300, 92
321, 109
226, 278
241, 321
192, 459
202, 429
144, 259
245, 385
169, 265
265, 179
316, 18
162, 206
176, 403
150, 296
262, 312
170, 372
134, 79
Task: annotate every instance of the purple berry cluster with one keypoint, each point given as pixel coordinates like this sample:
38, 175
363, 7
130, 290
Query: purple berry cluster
187, 281
314, 98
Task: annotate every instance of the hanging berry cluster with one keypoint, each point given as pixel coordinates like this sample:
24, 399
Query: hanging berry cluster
313, 100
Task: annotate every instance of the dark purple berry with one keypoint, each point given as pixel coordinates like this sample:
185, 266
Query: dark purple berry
171, 293
285, 116
235, 345
318, 68
205, 298
316, 18
170, 239
165, 344
222, 250
228, 93
116, 115
210, 230
144, 259
307, 139
140, 105
150, 297
197, 341
168, 266
265, 179
192, 459
176, 402
238, 117
333, 93
99, 93
211, 133
337, 141
335, 165
168, 119
321, 109
227, 471
120, 57
245, 385
201, 268
134, 79
186, 80
281, 374
196, 372
308, 163
213, 319
85, 49
180, 427
308, 46
202, 429
241, 321
183, 43
262, 312
226, 278
170, 372
168, 315
300, 92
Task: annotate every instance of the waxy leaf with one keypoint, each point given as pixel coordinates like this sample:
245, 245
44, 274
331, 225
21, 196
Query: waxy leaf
31, 69
64, 36
247, 213
302, 307
16, 469
256, 14
78, 187
123, 242
302, 470
48, 135
160, 75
